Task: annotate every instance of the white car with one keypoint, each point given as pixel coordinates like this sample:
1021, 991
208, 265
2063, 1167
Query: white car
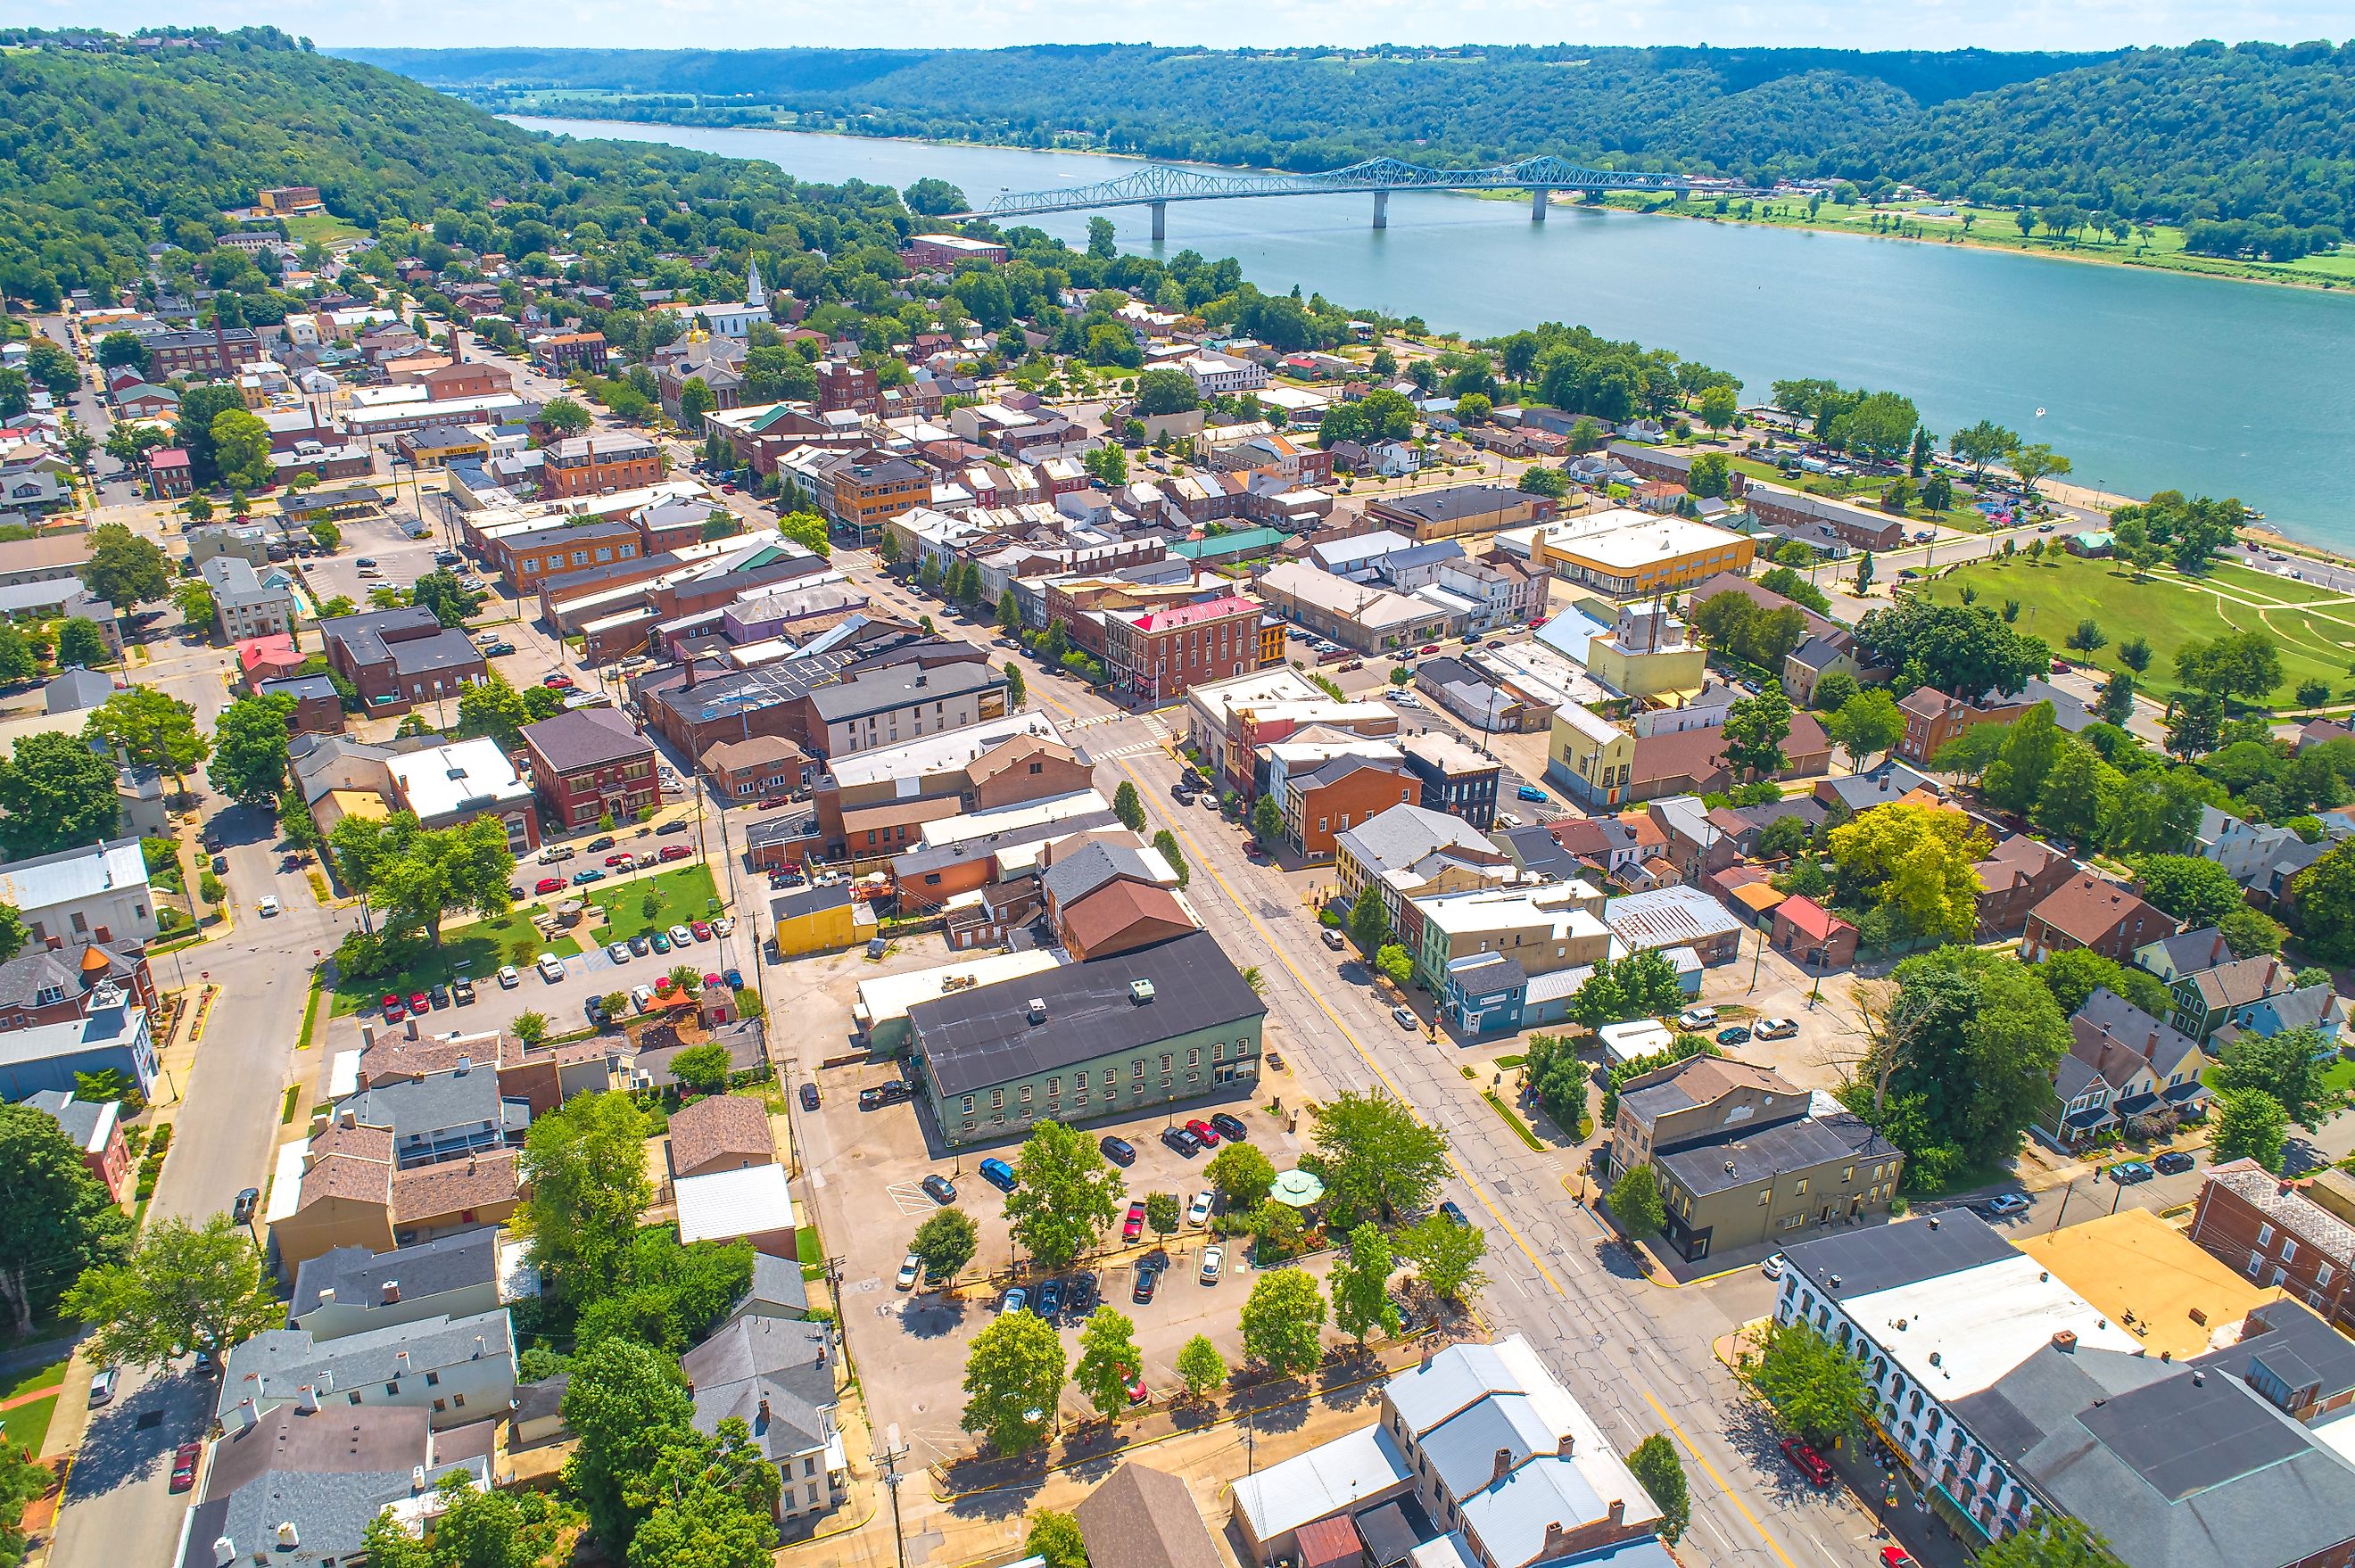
102, 1386
680, 936
910, 1269
508, 978
1693, 1019
1772, 1267
1405, 697
723, 925
270, 906
1775, 1029
1199, 1212
619, 952
1214, 1260
550, 967
644, 996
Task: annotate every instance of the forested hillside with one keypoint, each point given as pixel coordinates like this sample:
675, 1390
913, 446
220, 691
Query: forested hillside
2248, 132
106, 154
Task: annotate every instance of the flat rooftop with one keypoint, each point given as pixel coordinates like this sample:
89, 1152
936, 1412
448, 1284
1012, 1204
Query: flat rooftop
1965, 1329
2150, 1278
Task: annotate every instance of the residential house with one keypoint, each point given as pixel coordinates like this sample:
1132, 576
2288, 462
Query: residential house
1812, 935
2246, 849
72, 897
2299, 1237
591, 763
1932, 718
57, 984
1145, 1519
2207, 998
351, 1290
340, 1188
768, 767
94, 1128
457, 1370
1452, 777
244, 605
2016, 875
1743, 1158
1408, 852
2122, 1064
779, 1376
2088, 911
395, 659
719, 1132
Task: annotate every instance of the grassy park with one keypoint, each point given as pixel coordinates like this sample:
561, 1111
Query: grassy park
681, 896
481, 947
2314, 626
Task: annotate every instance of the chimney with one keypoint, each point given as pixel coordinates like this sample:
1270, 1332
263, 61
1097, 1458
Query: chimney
389, 1293
1504, 1464
764, 1410
242, 1416
2215, 950
326, 1296
1557, 1540
402, 1357
479, 1348
349, 1120
224, 1551
415, 1479
1618, 1513
466, 1065
2065, 1341
306, 1399
1565, 1445
409, 1029
289, 1538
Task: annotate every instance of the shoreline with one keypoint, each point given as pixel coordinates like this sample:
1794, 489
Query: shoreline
1965, 241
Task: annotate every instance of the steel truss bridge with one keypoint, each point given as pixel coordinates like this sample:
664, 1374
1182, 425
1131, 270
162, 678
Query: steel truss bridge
1158, 184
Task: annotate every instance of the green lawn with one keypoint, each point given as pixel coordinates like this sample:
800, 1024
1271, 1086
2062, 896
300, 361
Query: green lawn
51, 1376
482, 947
324, 227
685, 894
27, 1424
2315, 629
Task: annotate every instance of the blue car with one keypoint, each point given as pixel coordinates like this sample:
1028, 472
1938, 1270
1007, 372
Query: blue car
998, 1174
1530, 792
735, 978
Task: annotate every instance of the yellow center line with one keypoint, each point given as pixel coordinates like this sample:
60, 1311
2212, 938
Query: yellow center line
1710, 1471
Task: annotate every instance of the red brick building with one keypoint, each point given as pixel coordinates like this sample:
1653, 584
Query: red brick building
590, 762
215, 356
562, 353
2274, 1233
57, 984
1932, 718
168, 473
464, 379
2088, 912
525, 559
842, 385
1811, 934
1347, 792
596, 463
1163, 654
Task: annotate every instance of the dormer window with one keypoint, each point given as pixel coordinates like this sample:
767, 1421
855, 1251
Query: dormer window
49, 996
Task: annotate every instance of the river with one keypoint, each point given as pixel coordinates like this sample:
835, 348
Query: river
2146, 380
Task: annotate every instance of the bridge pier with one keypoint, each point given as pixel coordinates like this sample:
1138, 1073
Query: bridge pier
1160, 222
1382, 209
1539, 199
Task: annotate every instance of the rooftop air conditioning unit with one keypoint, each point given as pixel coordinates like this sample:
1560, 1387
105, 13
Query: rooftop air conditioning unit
1140, 991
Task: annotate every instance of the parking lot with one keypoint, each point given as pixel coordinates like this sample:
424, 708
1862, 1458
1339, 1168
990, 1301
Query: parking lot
867, 1174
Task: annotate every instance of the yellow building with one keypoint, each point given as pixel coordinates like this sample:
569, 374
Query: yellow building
1588, 755
1627, 554
2151, 1279
1647, 653
821, 919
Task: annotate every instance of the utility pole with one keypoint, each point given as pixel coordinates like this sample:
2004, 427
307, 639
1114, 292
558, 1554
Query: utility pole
894, 1450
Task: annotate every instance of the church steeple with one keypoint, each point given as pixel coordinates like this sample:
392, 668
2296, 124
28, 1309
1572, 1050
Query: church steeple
754, 295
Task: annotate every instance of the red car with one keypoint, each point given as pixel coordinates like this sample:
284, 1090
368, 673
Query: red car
1136, 1388
1808, 1462
712, 982
556, 682
1429, 648
549, 885
702, 931
1896, 1557
184, 1465
1204, 1131
419, 1004
775, 801
1134, 1226
675, 853
391, 1003
623, 859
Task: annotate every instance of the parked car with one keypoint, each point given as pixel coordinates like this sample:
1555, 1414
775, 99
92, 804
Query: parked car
555, 853
680, 936
241, 1210
1530, 792
1148, 1280
723, 925
1013, 1301
673, 851
498, 650
549, 885
464, 989
1897, 1557
1693, 1019
998, 1174
1808, 1462
2003, 1205
2128, 1172
702, 930
419, 1004
550, 967
440, 992
619, 952
1120, 1151
556, 682
507, 977
587, 875
681, 826
659, 941
1214, 1260
1184, 1142
621, 861
809, 1097
939, 1188
185, 1459
641, 997
1134, 1226
890, 1092
1774, 1266
912, 1268
1733, 1034
640, 947
1334, 939
1777, 1029
1202, 1130
1198, 1212
1084, 1294
102, 1386
602, 841
1454, 1211
269, 906
1405, 1017
2174, 1162
1230, 1128
1050, 1298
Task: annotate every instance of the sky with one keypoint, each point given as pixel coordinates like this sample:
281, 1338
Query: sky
1227, 24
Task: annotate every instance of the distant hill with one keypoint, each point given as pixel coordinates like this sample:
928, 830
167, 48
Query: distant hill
2244, 132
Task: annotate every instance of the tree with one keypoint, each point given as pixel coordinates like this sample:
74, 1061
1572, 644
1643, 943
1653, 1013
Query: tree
194, 600
59, 1222
1161, 1212
945, 1240
807, 529
1360, 1285
1284, 1321
13, 933
1128, 806
79, 642
1916, 862
2238, 663
2248, 932
2287, 1068
1013, 1381
1755, 729
57, 794
1162, 390
1718, 405
2323, 895
695, 401
1065, 1193
1018, 691
192, 429
2196, 724
1963, 649
1539, 480
241, 451
2076, 794
1392, 963
123, 348
1377, 1161
1710, 473
1655, 1463
1866, 723
2193, 889
453, 603
1166, 842
1635, 1201
152, 729
1201, 1367
2076, 974
2051, 1541
125, 569
628, 1402
1818, 1389
701, 1069
2249, 1124
1445, 1256
2037, 462
2031, 744
1369, 922
584, 1170
185, 1289
1240, 1172
1276, 1226
1055, 1539
1108, 1358
495, 708
249, 741
2116, 704
1267, 821
565, 416
17, 661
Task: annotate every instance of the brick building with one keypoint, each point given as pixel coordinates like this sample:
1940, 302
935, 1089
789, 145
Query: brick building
1161, 654
2298, 1237
526, 557
589, 761
1347, 791
599, 462
397, 658
215, 356
562, 353
873, 487
2089, 912
842, 385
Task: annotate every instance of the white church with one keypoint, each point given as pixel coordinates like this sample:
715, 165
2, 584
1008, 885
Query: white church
736, 319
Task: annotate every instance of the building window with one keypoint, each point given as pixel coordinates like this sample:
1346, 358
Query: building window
2264, 1235
996, 1098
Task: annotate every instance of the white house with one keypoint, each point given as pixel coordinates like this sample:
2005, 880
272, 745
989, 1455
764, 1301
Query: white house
98, 893
1218, 375
458, 1370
